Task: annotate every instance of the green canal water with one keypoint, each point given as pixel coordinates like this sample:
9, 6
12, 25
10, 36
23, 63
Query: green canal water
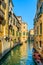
20, 55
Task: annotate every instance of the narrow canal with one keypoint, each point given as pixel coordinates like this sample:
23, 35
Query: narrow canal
20, 55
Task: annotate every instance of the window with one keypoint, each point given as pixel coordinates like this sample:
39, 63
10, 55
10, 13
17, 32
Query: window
0, 28
37, 44
37, 30
16, 33
40, 43
24, 27
19, 34
14, 22
41, 9
23, 33
12, 32
3, 4
0, 2
40, 28
26, 33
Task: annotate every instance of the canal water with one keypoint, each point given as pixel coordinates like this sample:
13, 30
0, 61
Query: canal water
20, 55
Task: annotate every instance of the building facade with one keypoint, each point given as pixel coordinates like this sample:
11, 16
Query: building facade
9, 27
23, 32
31, 35
38, 28
12, 30
4, 44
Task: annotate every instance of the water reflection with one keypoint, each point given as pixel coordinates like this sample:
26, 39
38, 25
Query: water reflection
29, 54
20, 55
23, 51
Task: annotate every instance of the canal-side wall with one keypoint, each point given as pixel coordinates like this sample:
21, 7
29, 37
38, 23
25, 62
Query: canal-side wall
6, 47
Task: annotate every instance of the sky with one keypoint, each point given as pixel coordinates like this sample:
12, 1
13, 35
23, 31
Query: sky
26, 9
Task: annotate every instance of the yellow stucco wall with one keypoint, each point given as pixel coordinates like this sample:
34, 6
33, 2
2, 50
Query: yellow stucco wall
39, 37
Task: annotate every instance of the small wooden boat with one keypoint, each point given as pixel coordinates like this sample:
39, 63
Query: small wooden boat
36, 55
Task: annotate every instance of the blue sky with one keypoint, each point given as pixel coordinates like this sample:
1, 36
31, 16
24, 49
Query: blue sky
26, 9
